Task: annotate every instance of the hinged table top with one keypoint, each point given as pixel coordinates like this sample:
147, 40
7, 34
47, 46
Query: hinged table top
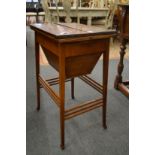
71, 30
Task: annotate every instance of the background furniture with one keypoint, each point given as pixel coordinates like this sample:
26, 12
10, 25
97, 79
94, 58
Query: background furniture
107, 22
54, 9
33, 8
30, 11
46, 13
73, 50
124, 35
89, 13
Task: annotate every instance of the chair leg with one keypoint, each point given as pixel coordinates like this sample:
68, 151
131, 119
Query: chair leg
72, 88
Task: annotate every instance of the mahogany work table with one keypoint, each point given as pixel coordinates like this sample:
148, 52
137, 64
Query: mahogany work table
73, 50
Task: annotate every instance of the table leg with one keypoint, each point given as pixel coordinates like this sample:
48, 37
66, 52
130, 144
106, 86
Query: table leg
118, 78
105, 84
37, 72
62, 98
72, 88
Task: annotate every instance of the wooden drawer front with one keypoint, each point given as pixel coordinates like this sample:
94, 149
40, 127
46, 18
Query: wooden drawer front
84, 47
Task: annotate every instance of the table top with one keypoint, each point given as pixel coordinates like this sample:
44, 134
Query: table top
71, 30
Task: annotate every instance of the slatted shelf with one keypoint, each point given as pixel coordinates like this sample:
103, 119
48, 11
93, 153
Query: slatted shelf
92, 83
82, 108
54, 81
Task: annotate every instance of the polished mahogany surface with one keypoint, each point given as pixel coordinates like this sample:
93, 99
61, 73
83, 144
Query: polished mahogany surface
65, 30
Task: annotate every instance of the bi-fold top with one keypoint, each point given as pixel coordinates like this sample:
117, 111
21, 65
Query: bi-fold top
67, 30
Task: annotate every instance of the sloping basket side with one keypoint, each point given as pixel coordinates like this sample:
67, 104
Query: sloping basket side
75, 65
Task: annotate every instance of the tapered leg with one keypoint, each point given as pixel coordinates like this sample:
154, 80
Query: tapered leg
62, 121
62, 98
72, 88
105, 83
37, 72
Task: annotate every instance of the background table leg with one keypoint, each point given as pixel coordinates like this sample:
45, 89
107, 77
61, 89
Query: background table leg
120, 67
